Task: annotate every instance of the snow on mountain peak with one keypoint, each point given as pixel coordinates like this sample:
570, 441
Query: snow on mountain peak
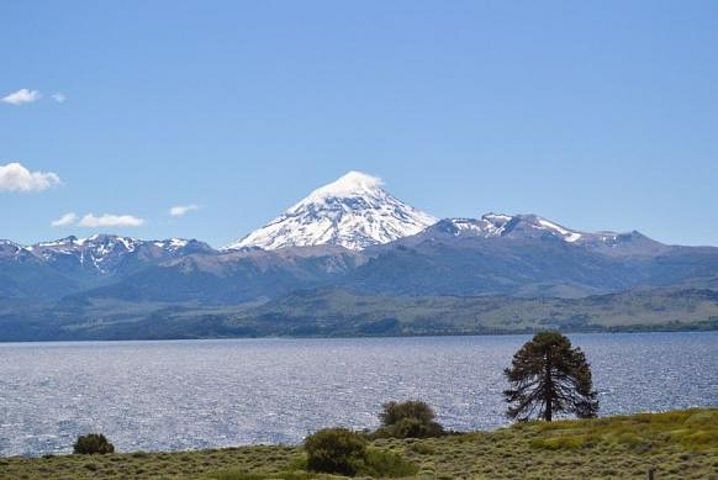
354, 212
352, 183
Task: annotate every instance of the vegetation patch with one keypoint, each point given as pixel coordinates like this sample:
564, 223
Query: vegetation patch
92, 444
678, 445
410, 419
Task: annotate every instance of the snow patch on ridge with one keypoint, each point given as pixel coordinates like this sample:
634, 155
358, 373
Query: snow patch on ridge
568, 235
492, 225
106, 252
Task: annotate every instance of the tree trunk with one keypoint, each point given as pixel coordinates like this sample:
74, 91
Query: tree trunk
548, 394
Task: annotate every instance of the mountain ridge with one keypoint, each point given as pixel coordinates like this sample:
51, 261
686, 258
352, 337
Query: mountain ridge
385, 250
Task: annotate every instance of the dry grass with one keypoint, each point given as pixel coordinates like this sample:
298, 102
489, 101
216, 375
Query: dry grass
678, 445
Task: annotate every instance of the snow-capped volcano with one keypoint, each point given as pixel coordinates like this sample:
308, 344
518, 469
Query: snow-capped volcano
354, 212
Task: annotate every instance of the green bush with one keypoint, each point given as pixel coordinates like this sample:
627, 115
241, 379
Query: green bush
413, 428
394, 412
335, 450
385, 464
410, 419
92, 443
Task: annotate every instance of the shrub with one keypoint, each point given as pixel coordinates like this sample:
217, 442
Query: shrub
386, 464
394, 412
335, 450
93, 443
410, 419
413, 428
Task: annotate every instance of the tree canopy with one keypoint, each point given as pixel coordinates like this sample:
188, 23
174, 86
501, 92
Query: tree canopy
548, 376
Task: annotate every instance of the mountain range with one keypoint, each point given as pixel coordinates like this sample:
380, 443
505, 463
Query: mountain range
350, 236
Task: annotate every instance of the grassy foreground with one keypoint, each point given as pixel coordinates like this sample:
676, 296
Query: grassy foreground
678, 445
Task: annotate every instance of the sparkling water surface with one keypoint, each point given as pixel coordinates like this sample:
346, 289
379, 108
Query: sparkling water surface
174, 395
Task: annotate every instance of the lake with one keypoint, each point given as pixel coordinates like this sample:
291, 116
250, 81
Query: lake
174, 395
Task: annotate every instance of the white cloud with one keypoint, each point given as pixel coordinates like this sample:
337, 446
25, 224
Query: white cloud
94, 221
108, 220
23, 95
65, 220
181, 210
59, 97
14, 177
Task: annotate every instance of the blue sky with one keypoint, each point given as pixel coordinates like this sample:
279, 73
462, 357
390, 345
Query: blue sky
598, 115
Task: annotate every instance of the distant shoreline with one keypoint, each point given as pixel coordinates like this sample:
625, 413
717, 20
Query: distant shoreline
618, 330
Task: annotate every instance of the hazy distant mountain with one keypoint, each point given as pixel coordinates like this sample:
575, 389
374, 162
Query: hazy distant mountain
25, 276
520, 256
112, 254
525, 227
528, 256
349, 235
233, 276
68, 265
353, 212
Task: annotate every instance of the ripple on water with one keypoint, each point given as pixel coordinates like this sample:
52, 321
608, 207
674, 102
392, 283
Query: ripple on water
199, 394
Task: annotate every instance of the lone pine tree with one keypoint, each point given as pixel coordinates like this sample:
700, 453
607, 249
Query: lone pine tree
548, 376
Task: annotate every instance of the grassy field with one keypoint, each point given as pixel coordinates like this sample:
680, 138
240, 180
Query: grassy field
678, 445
